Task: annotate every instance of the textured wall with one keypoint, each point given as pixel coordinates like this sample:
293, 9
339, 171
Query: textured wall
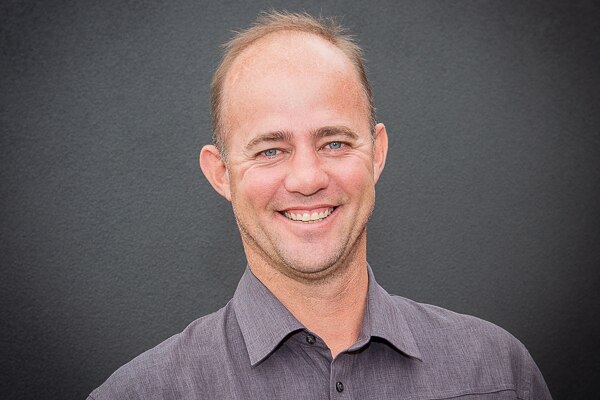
111, 240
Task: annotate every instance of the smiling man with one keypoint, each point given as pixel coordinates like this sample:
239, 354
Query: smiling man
297, 153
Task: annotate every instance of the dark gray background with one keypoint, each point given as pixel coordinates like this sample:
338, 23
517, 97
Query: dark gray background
112, 240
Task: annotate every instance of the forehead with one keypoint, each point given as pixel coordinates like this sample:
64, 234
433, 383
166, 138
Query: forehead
285, 72
290, 50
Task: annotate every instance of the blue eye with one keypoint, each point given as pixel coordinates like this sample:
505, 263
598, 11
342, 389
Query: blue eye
270, 152
335, 145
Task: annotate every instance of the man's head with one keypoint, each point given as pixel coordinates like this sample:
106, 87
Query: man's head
303, 155
266, 24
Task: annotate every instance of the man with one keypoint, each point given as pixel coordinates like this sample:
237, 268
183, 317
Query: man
297, 153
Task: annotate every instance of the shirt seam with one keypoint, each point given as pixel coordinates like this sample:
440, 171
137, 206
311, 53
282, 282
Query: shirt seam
508, 388
528, 377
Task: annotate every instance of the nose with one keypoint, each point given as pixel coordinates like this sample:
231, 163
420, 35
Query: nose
306, 174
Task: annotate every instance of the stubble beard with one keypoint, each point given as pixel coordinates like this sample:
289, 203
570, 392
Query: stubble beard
321, 271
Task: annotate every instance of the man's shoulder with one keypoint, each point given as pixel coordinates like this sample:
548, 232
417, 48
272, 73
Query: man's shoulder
467, 345
169, 364
434, 322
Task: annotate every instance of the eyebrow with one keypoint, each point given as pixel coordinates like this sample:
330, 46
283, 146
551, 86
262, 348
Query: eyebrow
275, 136
328, 131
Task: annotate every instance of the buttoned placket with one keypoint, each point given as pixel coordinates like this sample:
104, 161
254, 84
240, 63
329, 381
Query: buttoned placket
339, 369
339, 378
317, 344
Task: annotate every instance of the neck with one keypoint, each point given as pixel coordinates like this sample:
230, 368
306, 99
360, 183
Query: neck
332, 307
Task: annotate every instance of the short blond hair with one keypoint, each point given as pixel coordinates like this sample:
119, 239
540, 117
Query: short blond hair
275, 21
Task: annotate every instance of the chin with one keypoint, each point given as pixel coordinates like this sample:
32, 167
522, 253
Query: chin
322, 262
311, 268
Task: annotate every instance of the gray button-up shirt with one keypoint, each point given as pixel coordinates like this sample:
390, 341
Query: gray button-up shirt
253, 348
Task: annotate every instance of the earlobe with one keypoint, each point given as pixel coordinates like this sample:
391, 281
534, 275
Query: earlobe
380, 148
215, 170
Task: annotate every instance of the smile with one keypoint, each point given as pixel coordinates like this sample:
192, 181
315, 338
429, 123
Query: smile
308, 217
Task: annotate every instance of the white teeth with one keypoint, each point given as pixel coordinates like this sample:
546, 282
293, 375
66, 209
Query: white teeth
306, 217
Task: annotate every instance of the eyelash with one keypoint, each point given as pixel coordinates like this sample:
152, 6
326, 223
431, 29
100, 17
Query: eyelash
263, 153
340, 143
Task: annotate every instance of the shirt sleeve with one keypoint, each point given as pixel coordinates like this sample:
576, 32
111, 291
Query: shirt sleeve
538, 390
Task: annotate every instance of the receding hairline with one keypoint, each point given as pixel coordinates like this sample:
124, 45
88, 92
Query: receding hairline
269, 24
267, 51
262, 43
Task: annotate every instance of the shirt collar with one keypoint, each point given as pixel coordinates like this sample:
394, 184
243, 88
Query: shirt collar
385, 319
265, 322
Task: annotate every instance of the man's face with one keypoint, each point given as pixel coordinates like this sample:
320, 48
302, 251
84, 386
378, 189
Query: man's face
300, 155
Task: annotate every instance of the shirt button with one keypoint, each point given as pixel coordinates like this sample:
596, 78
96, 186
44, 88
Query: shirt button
339, 386
310, 339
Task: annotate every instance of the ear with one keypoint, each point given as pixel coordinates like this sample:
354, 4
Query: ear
380, 148
215, 170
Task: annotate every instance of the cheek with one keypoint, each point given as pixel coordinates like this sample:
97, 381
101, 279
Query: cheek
258, 186
352, 174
